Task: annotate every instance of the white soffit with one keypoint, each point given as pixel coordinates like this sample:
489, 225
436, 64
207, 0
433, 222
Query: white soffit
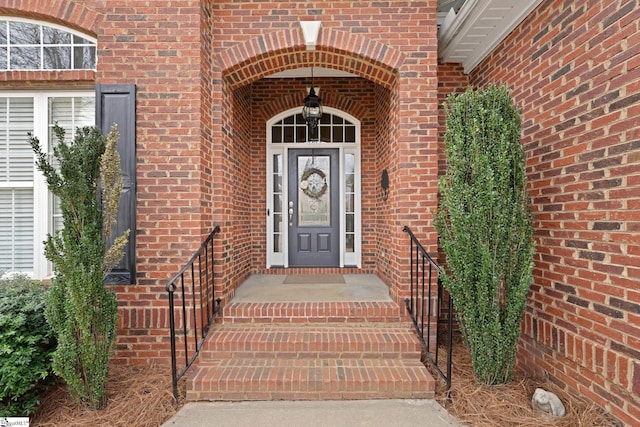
479, 26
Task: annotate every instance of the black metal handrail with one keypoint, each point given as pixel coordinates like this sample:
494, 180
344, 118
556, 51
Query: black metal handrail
423, 271
195, 285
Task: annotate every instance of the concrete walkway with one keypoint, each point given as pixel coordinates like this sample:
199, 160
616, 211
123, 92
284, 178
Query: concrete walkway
347, 413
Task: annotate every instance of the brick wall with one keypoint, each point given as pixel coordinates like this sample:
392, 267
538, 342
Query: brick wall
574, 69
159, 48
193, 64
390, 43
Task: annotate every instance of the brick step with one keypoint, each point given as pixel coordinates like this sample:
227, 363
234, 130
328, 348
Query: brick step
309, 379
340, 341
312, 312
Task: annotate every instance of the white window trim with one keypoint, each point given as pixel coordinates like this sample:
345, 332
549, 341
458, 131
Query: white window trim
42, 268
58, 27
346, 258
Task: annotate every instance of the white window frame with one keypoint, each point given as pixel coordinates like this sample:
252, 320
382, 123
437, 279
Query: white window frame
51, 25
346, 258
43, 223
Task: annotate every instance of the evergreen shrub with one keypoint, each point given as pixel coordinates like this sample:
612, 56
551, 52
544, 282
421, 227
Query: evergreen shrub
85, 176
26, 345
485, 227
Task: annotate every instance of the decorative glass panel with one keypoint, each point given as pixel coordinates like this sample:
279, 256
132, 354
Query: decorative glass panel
350, 243
349, 204
277, 243
350, 225
314, 191
277, 203
349, 201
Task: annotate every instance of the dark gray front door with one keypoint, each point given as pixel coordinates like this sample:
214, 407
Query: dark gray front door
313, 211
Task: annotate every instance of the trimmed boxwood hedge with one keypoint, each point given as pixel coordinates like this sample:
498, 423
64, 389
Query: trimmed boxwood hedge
26, 345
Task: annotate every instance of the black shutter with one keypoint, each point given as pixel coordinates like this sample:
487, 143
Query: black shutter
117, 104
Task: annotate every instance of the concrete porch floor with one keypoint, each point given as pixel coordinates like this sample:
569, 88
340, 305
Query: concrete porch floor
271, 288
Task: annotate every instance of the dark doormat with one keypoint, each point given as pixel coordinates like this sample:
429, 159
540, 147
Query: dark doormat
303, 279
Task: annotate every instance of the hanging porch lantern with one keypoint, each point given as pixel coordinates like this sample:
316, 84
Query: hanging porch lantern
312, 111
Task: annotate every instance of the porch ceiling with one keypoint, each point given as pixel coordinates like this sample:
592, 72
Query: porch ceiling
468, 34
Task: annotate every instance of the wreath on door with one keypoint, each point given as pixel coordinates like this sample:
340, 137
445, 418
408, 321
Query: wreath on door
313, 183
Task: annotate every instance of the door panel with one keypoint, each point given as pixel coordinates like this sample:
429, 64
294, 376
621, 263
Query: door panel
313, 211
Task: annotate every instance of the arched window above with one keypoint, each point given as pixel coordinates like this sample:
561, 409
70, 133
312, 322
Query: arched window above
332, 129
32, 45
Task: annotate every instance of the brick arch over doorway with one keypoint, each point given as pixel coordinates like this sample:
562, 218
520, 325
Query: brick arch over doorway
281, 50
402, 120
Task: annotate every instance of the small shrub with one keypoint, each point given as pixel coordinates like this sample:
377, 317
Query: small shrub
26, 345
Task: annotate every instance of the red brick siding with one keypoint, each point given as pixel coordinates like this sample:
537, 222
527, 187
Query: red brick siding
574, 69
451, 80
387, 124
159, 48
193, 63
392, 44
207, 103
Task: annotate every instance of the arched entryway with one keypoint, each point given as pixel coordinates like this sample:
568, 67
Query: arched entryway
393, 143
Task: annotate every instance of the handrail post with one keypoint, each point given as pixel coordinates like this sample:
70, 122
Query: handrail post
206, 297
417, 310
172, 327
450, 340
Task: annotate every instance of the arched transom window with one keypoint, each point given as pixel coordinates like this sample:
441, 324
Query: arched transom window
32, 45
331, 129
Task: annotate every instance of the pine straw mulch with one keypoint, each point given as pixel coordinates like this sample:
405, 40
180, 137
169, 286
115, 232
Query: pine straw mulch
509, 404
138, 396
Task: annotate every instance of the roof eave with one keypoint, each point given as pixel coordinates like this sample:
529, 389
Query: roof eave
479, 26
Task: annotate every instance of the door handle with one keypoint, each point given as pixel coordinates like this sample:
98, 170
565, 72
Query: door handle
291, 217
